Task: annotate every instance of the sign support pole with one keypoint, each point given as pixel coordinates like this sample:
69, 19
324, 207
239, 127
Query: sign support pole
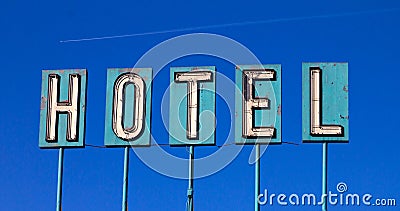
257, 178
324, 175
125, 181
190, 187
60, 177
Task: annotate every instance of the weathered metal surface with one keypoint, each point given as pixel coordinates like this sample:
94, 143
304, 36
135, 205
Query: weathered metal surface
258, 113
128, 107
257, 179
325, 102
62, 108
192, 106
60, 178
325, 175
190, 190
125, 180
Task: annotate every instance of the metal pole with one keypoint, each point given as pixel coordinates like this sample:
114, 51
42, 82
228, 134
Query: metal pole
60, 175
190, 187
257, 178
324, 175
125, 181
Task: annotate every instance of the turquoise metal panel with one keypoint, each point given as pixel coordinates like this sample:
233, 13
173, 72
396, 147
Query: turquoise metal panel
110, 138
178, 110
271, 117
62, 118
334, 96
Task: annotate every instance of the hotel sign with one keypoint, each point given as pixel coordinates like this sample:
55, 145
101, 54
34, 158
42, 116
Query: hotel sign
128, 107
63, 108
258, 114
325, 102
192, 106
258, 110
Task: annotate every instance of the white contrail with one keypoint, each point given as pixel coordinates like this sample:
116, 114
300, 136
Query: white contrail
234, 24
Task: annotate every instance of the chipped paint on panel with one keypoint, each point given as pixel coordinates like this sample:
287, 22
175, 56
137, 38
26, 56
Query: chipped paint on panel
202, 114
61, 129
270, 117
333, 103
126, 113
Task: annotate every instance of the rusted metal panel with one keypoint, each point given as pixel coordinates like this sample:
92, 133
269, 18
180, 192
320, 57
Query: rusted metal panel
325, 102
63, 108
258, 105
128, 107
192, 106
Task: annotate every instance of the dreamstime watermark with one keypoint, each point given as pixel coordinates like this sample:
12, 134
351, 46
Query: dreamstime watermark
340, 197
160, 56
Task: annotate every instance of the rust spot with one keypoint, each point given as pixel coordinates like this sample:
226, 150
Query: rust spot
345, 88
279, 112
334, 64
344, 117
43, 103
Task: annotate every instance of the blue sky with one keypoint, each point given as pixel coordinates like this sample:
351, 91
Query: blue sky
363, 33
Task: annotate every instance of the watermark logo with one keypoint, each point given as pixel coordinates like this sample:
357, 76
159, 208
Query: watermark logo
339, 197
341, 187
160, 56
